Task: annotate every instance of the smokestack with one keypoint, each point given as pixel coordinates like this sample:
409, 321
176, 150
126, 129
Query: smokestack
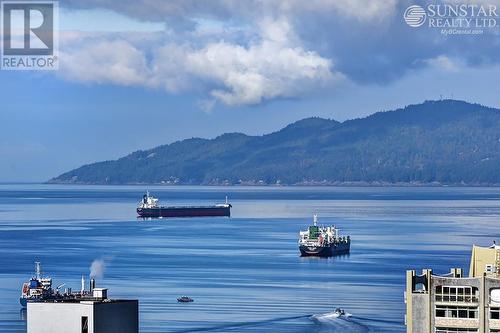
92, 285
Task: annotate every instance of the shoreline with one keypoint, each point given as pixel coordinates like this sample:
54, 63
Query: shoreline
308, 184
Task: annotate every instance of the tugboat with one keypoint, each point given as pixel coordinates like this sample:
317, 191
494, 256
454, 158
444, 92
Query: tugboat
148, 207
323, 241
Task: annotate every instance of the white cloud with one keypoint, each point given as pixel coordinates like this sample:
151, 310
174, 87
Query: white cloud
444, 63
115, 61
264, 70
368, 41
274, 65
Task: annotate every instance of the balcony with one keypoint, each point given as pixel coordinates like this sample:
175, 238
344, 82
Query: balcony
457, 322
494, 324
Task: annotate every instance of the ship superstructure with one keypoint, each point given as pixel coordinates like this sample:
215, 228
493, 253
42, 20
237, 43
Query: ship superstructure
323, 241
149, 207
39, 289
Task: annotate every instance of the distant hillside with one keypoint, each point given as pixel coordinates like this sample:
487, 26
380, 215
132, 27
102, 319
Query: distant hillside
447, 142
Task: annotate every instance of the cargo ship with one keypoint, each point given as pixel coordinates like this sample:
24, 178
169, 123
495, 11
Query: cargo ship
39, 289
323, 241
148, 207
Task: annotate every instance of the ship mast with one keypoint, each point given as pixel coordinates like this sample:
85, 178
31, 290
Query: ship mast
38, 270
315, 219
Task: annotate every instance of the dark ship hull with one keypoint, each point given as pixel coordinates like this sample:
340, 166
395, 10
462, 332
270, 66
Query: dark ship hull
185, 211
326, 250
24, 302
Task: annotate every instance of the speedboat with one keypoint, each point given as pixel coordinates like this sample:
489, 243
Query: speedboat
185, 299
337, 313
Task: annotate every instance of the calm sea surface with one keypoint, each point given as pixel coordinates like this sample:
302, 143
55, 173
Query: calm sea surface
245, 272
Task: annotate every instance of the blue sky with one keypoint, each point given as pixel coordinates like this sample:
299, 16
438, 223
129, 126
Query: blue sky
137, 74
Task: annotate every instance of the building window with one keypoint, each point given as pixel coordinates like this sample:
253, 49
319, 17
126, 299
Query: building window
454, 330
456, 294
494, 313
85, 324
456, 312
440, 312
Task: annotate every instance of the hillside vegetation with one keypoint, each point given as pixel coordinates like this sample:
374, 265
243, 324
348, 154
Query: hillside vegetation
446, 142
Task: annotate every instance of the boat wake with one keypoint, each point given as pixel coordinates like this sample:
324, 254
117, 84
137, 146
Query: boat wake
339, 323
233, 326
325, 323
326, 317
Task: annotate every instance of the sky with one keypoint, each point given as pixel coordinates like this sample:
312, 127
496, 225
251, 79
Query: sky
135, 74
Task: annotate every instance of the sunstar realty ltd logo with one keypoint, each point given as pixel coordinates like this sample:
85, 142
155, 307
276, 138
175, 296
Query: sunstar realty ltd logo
453, 19
29, 35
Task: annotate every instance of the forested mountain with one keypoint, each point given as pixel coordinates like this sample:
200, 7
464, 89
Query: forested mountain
447, 142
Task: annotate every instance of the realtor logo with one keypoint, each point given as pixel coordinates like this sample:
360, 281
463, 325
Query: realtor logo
454, 18
29, 35
415, 16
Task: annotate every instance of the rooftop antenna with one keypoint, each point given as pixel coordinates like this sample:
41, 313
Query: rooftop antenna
315, 219
38, 270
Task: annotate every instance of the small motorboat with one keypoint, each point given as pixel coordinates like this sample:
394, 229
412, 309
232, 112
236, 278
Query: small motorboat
339, 312
185, 299
325, 317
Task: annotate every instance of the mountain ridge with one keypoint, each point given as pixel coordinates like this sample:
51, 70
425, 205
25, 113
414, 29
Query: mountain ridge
436, 142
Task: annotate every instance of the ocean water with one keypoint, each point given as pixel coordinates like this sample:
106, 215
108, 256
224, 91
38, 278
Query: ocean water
244, 273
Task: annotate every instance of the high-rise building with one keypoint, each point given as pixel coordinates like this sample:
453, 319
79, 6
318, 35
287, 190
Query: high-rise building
454, 303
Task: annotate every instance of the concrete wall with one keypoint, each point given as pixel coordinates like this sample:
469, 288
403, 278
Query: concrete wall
119, 317
420, 313
418, 302
105, 317
58, 317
